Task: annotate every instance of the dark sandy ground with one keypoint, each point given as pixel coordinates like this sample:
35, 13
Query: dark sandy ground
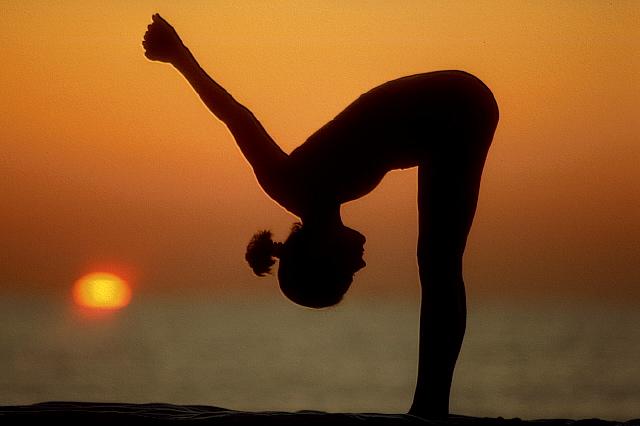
93, 413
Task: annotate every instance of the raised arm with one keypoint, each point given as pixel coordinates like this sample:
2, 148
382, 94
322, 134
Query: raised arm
269, 161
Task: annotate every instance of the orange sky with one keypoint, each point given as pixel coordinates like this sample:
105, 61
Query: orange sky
109, 159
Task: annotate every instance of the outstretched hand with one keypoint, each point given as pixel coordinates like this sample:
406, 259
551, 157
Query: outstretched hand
161, 42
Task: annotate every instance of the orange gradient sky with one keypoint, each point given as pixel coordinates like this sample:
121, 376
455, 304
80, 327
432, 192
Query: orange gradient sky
108, 158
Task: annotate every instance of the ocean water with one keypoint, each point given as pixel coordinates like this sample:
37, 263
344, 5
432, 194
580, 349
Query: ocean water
576, 361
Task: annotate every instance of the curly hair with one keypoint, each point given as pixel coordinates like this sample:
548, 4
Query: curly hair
261, 253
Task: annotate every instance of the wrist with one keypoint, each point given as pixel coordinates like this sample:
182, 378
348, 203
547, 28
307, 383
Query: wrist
183, 58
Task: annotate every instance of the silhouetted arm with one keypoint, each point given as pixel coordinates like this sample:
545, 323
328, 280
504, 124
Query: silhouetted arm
253, 140
268, 160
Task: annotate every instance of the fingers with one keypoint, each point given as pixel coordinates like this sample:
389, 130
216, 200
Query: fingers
152, 29
147, 41
157, 18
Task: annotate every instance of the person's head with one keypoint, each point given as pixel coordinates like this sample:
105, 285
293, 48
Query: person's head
316, 264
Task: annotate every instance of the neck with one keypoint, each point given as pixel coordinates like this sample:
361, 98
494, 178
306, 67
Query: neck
325, 217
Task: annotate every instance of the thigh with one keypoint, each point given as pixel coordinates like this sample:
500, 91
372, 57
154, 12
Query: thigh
448, 187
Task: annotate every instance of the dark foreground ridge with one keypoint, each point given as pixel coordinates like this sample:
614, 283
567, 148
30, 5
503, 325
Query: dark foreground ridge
94, 413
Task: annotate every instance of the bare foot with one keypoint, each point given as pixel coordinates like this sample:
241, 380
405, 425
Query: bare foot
161, 42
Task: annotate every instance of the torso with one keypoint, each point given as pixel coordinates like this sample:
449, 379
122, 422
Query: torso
395, 125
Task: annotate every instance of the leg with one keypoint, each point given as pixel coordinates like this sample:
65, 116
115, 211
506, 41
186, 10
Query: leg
448, 189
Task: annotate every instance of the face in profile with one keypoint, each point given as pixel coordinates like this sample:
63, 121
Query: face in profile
317, 265
349, 249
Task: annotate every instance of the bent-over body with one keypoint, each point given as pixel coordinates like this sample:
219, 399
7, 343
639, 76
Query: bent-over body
400, 124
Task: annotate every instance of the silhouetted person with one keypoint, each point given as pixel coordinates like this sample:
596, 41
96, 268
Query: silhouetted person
442, 122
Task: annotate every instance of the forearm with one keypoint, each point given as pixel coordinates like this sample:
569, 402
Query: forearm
214, 96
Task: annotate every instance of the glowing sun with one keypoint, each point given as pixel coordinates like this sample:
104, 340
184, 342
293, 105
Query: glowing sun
101, 290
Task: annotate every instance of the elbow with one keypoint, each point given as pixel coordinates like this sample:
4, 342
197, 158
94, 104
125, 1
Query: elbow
282, 185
